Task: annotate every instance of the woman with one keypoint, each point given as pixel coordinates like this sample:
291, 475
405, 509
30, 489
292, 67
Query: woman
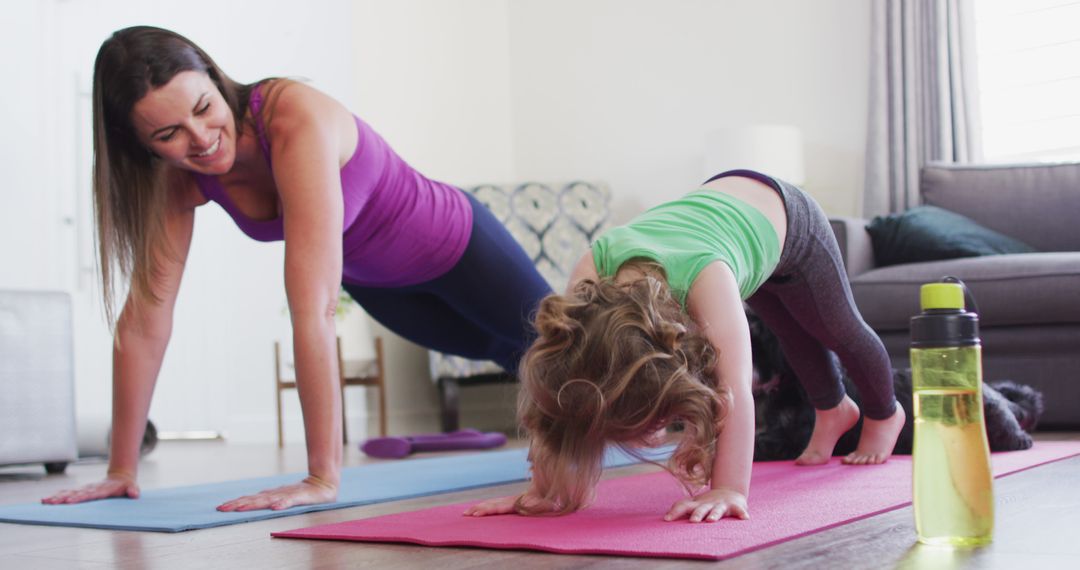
172, 132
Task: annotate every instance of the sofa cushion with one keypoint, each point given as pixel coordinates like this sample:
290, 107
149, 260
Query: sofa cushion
1034, 203
929, 233
1011, 290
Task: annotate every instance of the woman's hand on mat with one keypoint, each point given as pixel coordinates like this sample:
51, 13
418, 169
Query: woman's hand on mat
112, 486
710, 506
310, 491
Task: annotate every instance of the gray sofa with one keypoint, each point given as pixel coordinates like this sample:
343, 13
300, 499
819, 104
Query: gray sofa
1029, 303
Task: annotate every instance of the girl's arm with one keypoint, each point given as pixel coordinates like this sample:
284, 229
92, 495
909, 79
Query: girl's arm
309, 132
716, 306
142, 335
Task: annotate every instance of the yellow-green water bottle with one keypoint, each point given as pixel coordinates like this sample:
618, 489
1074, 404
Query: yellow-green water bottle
952, 481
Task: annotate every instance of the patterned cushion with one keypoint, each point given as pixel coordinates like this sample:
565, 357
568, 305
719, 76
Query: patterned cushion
554, 223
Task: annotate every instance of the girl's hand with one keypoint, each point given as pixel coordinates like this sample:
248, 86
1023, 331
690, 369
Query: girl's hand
112, 486
310, 491
504, 506
500, 506
710, 506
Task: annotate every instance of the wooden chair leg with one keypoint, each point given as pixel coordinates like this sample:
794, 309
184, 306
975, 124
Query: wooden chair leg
341, 377
381, 385
277, 389
448, 390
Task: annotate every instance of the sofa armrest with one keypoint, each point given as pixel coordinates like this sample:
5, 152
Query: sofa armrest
855, 245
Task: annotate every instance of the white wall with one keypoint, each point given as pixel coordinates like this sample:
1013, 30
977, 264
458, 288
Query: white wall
27, 259
625, 90
467, 91
618, 90
433, 78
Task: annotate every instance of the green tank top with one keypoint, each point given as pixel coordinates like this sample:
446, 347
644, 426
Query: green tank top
687, 234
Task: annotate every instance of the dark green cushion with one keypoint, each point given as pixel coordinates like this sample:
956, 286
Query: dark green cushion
929, 233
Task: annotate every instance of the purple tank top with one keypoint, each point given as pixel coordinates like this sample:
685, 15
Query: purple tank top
400, 227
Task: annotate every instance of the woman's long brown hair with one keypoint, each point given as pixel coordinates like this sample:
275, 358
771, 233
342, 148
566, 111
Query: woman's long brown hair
130, 186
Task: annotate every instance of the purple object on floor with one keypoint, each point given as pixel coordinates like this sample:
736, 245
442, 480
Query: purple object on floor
398, 447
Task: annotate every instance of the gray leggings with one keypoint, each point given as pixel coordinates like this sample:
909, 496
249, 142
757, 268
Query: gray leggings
807, 303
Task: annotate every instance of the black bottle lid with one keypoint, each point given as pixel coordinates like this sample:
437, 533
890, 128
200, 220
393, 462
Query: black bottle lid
944, 321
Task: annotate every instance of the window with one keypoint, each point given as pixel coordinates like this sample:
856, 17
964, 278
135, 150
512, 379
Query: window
1029, 79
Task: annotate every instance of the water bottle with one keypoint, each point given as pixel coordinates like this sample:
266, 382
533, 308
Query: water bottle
952, 481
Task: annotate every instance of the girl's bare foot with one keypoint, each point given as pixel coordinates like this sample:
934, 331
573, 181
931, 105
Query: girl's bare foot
829, 425
877, 439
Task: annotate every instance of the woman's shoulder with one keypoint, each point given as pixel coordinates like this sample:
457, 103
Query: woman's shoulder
286, 102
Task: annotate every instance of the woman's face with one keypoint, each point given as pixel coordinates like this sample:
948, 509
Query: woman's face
187, 123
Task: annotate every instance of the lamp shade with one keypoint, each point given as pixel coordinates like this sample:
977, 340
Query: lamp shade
776, 150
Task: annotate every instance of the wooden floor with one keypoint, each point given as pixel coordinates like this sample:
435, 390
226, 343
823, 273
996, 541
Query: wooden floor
1038, 526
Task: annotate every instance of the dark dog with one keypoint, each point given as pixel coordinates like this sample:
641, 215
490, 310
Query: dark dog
785, 417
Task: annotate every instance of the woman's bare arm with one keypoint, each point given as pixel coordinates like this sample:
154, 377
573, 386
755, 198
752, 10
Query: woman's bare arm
142, 335
306, 140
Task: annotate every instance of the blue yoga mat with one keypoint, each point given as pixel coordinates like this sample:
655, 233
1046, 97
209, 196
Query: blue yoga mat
187, 508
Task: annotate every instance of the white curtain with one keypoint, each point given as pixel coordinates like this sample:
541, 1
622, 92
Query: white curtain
923, 97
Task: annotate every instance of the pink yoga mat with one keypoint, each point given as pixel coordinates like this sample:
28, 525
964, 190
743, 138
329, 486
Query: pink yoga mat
786, 502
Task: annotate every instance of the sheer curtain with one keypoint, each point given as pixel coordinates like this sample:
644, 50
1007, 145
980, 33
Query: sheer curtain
923, 98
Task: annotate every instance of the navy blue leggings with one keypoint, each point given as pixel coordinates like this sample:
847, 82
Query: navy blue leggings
807, 303
480, 309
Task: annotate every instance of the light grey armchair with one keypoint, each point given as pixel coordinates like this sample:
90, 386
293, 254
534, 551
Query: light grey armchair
555, 223
37, 410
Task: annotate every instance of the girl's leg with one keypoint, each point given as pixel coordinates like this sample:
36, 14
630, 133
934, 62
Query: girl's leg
811, 302
817, 371
814, 365
828, 321
811, 285
814, 290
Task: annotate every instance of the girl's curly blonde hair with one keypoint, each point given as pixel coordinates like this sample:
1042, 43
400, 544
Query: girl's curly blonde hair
613, 363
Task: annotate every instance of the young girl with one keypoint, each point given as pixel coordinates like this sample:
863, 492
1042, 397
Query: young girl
287, 162
653, 331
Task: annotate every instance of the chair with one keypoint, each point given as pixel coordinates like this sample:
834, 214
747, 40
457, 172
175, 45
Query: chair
374, 376
555, 224
37, 379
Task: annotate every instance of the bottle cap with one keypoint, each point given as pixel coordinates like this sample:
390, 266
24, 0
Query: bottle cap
944, 322
941, 296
